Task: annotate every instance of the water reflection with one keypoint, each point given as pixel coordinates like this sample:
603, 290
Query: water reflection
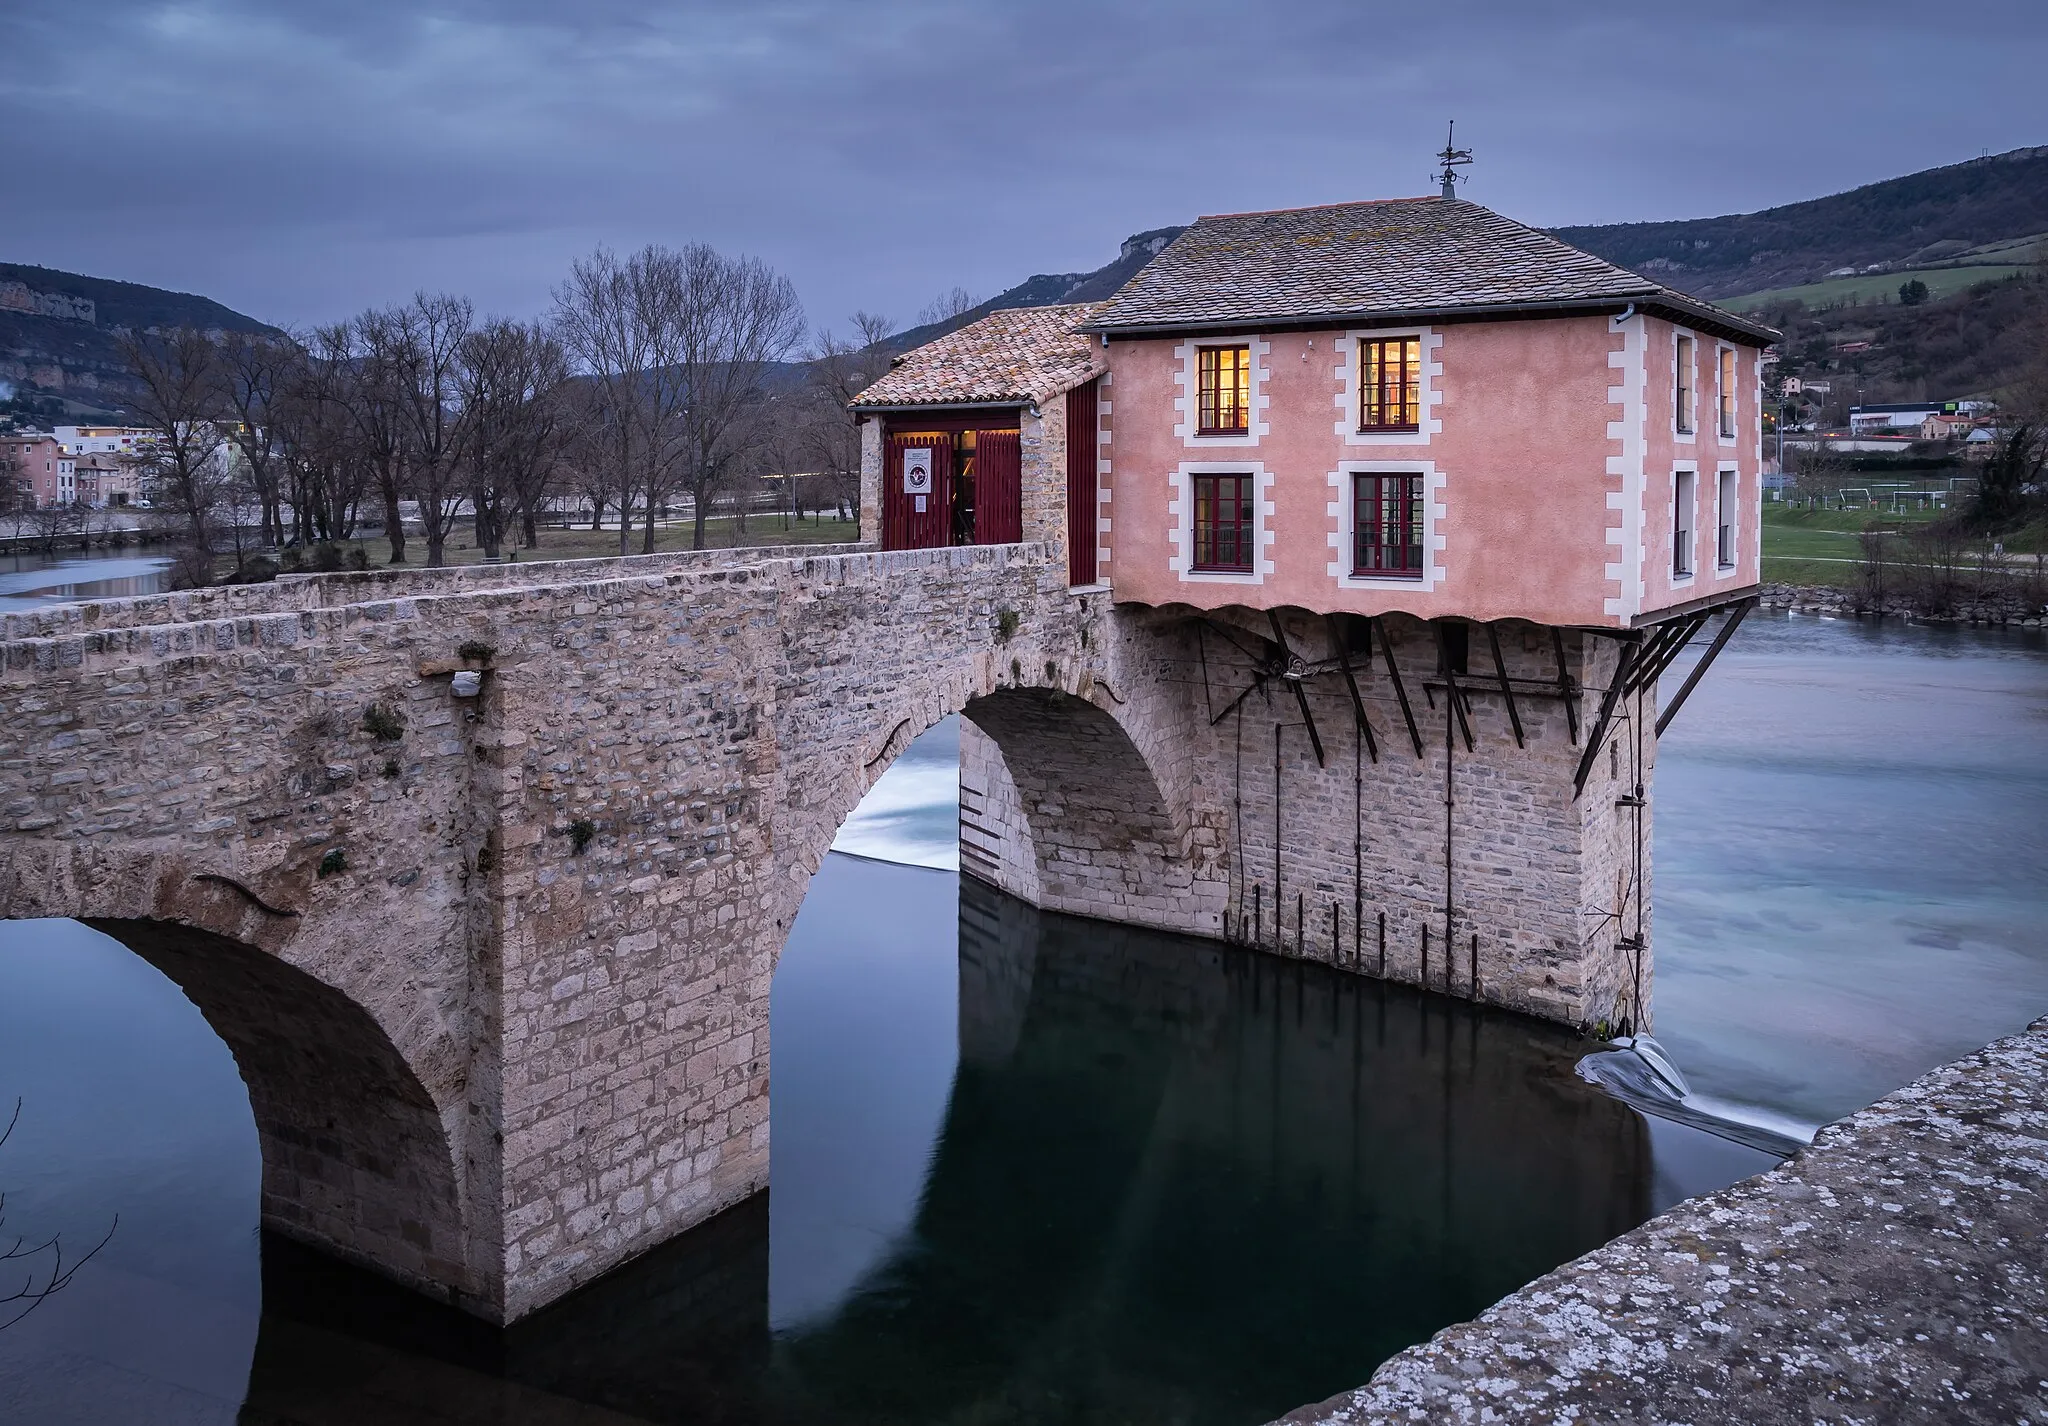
74, 576
1172, 1181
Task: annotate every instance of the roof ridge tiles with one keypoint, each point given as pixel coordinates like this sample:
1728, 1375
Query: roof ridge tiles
1321, 207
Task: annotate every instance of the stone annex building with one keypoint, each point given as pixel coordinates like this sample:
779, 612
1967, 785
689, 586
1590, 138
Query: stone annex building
1312, 592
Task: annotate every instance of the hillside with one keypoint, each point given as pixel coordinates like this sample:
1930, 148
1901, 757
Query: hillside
1051, 289
1964, 213
58, 334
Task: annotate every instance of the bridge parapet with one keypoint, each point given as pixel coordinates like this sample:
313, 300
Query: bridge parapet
295, 592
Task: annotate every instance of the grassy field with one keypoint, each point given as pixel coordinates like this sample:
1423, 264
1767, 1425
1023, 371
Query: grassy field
1871, 287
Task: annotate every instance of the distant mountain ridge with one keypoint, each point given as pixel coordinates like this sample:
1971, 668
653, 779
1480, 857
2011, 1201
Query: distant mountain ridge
59, 330
1053, 289
1928, 218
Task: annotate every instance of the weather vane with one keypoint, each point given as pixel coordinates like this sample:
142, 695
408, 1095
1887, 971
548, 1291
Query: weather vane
1453, 158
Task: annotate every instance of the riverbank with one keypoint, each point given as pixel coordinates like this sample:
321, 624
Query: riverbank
1897, 1269
1829, 599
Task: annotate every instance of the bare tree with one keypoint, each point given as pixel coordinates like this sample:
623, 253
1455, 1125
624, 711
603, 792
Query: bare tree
611, 315
947, 305
43, 1271
253, 370
329, 468
677, 343
432, 330
839, 371
178, 382
513, 378
371, 346
737, 317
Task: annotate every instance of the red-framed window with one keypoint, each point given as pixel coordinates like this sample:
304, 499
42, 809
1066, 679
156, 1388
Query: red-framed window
1223, 391
1387, 525
1390, 384
1225, 535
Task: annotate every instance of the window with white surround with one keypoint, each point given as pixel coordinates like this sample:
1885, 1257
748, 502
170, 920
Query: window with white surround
1724, 520
1682, 491
1681, 386
1725, 396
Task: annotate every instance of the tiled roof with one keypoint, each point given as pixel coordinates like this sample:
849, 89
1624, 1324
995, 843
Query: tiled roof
1396, 256
1021, 354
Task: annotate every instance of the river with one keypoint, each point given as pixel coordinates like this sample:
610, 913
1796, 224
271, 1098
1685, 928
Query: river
31, 580
1033, 1169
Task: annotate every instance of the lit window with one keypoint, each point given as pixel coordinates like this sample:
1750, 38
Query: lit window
1223, 524
1387, 525
1223, 391
1727, 392
1389, 384
1681, 396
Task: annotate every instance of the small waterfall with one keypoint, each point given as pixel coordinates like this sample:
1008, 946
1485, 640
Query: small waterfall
1640, 1073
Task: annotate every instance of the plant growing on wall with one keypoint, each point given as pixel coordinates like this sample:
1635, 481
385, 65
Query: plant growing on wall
386, 725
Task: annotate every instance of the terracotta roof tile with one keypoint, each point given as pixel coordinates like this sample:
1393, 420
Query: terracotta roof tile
1020, 354
1396, 256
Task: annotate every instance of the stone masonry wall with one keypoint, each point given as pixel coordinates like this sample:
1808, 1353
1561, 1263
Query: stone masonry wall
559, 903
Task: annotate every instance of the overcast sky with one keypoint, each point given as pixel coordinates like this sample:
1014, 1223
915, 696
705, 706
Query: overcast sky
302, 159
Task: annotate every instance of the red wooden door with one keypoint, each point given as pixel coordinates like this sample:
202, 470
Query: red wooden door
998, 488
1083, 453
909, 462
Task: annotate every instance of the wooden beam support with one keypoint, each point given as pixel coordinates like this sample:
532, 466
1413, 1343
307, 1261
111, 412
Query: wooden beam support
1337, 642
1685, 689
1457, 698
1308, 719
1622, 668
1684, 630
1400, 690
1567, 688
1500, 669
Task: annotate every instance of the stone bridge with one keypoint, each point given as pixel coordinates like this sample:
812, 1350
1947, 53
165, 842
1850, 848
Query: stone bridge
495, 964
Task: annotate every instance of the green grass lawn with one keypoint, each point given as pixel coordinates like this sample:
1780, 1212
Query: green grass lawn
1869, 287
1779, 570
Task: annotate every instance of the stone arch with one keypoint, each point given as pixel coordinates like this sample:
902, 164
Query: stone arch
1062, 807
358, 1158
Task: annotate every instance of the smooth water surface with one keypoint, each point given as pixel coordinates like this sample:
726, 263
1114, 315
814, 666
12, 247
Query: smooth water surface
73, 576
1033, 1169
1851, 850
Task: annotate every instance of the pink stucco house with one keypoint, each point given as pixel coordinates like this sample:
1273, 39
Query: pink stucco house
1393, 515
1414, 406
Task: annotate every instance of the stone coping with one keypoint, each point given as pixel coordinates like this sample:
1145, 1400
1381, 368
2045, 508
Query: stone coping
1897, 1270
293, 593
195, 620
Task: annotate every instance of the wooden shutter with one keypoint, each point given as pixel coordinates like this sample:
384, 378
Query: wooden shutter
1083, 453
998, 488
903, 526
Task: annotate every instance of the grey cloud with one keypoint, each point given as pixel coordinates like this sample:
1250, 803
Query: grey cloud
301, 162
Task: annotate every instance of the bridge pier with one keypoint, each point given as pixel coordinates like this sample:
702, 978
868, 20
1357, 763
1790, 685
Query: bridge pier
1396, 834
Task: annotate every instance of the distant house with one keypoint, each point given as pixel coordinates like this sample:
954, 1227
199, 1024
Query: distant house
1900, 417
43, 465
1944, 426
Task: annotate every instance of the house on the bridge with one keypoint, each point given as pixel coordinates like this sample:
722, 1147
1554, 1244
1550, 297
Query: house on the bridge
1414, 406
